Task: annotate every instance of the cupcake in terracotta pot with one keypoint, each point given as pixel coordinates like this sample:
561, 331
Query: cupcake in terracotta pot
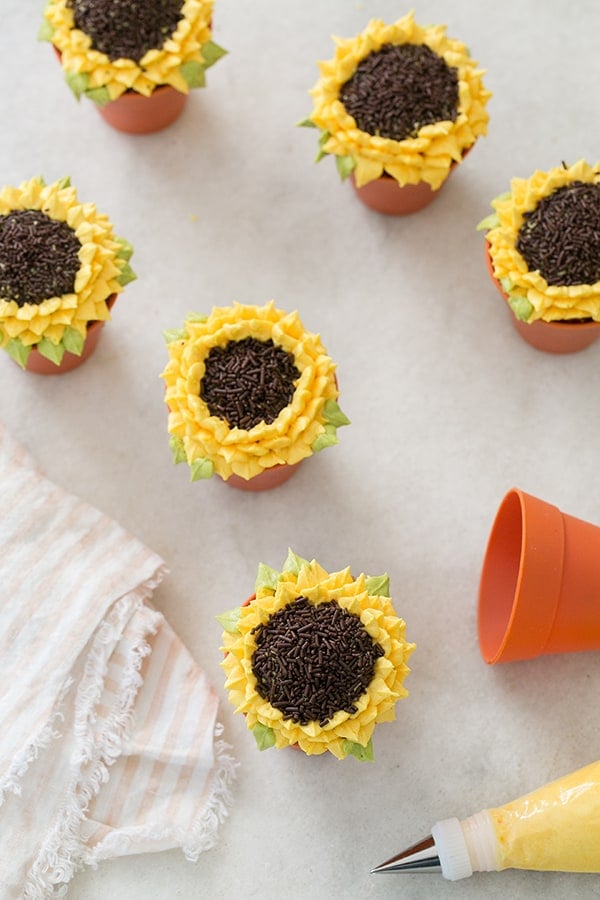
251, 394
398, 106
543, 253
61, 270
136, 59
315, 660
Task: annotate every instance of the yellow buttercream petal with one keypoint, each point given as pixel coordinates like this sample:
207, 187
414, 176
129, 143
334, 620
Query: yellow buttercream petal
96, 280
549, 302
157, 66
375, 705
430, 155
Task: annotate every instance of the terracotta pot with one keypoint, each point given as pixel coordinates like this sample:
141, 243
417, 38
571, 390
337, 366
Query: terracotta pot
550, 337
385, 195
42, 366
540, 584
267, 479
136, 114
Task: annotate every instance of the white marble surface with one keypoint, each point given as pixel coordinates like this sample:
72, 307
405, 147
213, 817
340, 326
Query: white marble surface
449, 409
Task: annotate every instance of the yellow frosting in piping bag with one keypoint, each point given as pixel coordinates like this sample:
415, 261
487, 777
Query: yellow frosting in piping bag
555, 828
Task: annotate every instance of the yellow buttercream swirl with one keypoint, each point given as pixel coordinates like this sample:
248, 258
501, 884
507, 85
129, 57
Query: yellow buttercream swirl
428, 156
288, 438
548, 302
96, 280
375, 705
156, 67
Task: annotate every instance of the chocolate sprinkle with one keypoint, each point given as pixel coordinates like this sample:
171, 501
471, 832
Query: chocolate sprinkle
313, 660
399, 88
560, 238
38, 257
248, 381
127, 29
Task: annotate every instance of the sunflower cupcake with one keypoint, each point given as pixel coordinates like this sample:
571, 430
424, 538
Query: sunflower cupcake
399, 102
315, 660
251, 394
113, 49
543, 251
61, 268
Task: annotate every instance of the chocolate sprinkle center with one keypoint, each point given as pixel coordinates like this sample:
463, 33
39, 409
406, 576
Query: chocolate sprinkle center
127, 29
399, 88
312, 661
248, 381
38, 257
560, 238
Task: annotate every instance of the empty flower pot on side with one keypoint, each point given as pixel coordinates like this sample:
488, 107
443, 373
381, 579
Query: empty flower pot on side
539, 591
549, 337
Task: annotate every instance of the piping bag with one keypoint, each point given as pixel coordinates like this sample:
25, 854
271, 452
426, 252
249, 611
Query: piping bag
554, 828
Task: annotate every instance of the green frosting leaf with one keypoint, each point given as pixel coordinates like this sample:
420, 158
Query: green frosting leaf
53, 352
62, 182
334, 415
264, 736
78, 82
18, 351
306, 123
192, 72
507, 284
177, 449
327, 438
363, 754
201, 468
266, 577
293, 562
491, 221
229, 620
324, 137
126, 275
99, 95
73, 341
212, 53
175, 334
345, 165
378, 585
46, 31
196, 317
521, 306
126, 249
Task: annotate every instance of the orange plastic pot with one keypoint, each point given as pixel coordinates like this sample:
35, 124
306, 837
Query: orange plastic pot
269, 478
539, 591
136, 114
550, 337
43, 366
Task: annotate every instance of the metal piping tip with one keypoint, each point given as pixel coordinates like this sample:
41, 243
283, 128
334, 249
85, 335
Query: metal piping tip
421, 857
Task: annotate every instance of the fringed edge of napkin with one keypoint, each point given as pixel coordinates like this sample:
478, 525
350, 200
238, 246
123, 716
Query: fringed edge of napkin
203, 833
63, 852
10, 783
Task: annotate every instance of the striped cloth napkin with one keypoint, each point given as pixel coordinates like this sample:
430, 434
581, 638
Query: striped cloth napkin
109, 743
